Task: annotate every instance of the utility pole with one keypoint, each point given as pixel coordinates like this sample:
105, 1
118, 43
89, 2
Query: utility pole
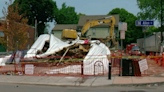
145, 42
35, 29
161, 24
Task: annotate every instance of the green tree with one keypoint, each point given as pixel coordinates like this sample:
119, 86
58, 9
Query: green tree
150, 9
132, 32
152, 29
66, 15
42, 10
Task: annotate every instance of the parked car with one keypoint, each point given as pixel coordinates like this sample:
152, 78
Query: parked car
135, 51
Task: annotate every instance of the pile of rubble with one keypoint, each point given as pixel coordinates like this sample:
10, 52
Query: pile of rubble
74, 51
48, 47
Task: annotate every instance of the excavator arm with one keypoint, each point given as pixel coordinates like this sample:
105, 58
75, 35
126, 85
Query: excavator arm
110, 20
93, 23
72, 34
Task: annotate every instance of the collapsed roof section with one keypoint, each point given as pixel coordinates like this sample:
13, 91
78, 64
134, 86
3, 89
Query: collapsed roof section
37, 46
55, 45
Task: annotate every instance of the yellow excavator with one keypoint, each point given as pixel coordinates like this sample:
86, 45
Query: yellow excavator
72, 34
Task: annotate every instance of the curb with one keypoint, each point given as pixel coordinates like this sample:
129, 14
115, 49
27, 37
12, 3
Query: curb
141, 84
23, 83
75, 85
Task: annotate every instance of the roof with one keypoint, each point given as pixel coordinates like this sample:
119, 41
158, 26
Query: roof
84, 18
82, 21
64, 26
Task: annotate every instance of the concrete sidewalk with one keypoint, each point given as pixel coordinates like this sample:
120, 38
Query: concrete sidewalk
79, 81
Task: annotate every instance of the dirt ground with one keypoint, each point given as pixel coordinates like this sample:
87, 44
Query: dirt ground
154, 69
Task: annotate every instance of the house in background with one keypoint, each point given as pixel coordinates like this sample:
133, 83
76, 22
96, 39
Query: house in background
100, 31
57, 30
30, 34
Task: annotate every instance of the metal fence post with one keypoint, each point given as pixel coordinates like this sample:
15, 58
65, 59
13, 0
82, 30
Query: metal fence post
82, 72
109, 72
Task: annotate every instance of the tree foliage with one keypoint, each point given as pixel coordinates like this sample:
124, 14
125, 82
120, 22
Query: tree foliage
150, 9
66, 15
14, 28
132, 32
42, 10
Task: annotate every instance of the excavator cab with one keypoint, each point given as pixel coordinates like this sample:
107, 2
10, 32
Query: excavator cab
72, 34
69, 34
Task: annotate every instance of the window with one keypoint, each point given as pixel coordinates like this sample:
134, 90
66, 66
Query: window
93, 31
1, 34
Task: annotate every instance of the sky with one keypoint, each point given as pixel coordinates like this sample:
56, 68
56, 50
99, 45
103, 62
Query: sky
92, 7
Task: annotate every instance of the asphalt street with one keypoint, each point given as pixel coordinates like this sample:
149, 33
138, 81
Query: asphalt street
4, 87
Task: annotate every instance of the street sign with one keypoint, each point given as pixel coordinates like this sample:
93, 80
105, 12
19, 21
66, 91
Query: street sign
29, 69
144, 23
122, 34
122, 26
143, 65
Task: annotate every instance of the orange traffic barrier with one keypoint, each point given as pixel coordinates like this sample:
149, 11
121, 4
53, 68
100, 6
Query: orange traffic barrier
159, 61
127, 52
156, 58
